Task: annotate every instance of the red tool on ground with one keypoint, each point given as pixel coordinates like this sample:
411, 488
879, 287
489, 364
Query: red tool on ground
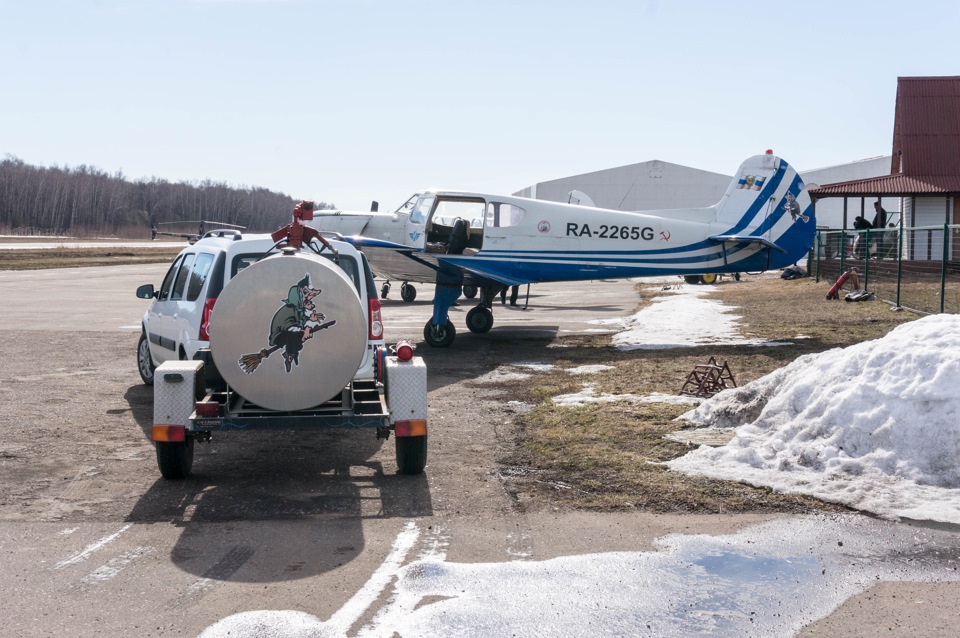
834, 292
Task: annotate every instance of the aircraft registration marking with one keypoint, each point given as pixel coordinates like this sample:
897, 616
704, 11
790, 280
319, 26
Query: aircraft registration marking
610, 232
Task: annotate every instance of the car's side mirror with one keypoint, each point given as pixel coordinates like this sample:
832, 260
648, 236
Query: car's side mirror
146, 291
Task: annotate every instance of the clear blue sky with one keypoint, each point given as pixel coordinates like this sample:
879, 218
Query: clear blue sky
347, 101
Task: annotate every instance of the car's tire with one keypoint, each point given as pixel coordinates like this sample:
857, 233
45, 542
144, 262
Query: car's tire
692, 279
408, 293
144, 360
708, 279
469, 291
411, 454
439, 336
175, 458
479, 320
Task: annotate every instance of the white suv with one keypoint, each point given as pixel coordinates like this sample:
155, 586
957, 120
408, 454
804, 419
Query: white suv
176, 325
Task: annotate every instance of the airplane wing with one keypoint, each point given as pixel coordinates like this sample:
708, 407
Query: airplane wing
422, 266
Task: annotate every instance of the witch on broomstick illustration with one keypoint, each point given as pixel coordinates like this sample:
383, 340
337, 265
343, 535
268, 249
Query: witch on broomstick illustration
294, 322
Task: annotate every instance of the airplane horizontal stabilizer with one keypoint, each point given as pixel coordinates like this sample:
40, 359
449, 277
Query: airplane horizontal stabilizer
745, 239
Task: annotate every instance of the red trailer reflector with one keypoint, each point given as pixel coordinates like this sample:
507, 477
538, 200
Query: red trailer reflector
415, 427
169, 433
404, 350
207, 408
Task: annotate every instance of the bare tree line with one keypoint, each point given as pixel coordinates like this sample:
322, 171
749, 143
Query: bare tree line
86, 201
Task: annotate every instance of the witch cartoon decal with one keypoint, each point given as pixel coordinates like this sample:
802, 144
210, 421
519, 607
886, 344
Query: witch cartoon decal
296, 321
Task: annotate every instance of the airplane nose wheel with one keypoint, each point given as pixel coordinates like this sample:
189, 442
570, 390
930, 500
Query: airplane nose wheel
439, 336
407, 292
480, 320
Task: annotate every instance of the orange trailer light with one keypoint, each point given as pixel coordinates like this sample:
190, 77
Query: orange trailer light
416, 427
169, 433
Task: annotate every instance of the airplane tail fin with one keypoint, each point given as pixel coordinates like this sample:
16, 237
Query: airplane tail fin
767, 206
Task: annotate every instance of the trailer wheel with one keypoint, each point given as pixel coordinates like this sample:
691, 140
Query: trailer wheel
469, 291
408, 293
708, 279
175, 459
144, 361
439, 336
411, 453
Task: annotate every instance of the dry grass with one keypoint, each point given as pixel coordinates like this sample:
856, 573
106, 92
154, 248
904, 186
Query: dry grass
606, 456
77, 257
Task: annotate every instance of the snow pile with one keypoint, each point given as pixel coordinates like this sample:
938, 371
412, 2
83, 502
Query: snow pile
682, 318
875, 426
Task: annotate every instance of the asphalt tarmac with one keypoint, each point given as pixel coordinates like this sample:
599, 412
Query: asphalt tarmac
94, 542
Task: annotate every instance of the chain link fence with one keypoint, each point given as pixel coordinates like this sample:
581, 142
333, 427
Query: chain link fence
914, 268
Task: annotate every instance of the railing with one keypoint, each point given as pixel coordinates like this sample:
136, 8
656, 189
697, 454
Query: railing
914, 268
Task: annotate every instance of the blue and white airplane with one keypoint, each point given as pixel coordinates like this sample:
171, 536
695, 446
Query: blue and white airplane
765, 220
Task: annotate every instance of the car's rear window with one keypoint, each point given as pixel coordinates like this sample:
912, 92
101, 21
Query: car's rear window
347, 263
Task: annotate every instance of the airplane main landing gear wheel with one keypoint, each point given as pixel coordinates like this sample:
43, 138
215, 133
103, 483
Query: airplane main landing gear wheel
439, 336
469, 291
408, 293
708, 279
692, 279
480, 320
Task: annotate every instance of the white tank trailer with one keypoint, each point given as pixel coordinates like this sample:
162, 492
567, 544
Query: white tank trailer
253, 378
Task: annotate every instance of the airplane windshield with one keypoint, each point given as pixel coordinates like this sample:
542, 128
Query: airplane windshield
407, 207
422, 208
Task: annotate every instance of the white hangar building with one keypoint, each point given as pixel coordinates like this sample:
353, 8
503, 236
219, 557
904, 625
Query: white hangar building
656, 185
645, 186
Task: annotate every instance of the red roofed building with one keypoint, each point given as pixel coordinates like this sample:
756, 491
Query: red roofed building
925, 162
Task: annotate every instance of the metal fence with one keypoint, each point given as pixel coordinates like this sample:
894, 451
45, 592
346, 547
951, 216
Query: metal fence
914, 268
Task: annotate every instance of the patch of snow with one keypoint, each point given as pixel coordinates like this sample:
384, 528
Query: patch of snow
588, 395
673, 399
502, 374
681, 318
874, 426
589, 369
536, 366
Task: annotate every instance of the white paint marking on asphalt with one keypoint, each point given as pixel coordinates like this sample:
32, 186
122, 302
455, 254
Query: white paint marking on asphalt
297, 624
90, 549
199, 588
114, 566
436, 542
344, 618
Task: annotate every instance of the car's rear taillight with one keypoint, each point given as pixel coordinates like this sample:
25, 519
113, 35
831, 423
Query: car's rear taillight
376, 322
205, 320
